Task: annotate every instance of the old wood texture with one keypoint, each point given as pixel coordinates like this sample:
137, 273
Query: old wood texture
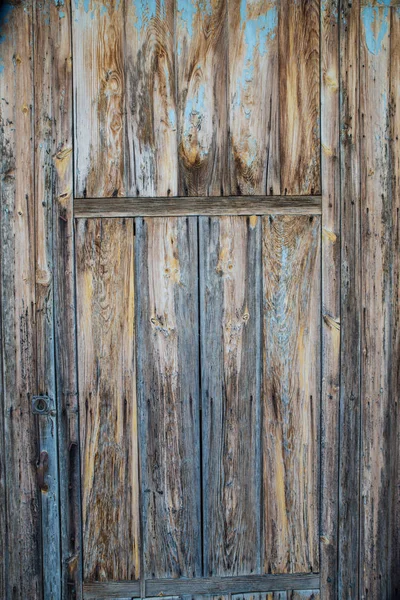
230, 282
330, 289
22, 508
291, 392
168, 394
266, 596
304, 595
299, 78
350, 365
107, 392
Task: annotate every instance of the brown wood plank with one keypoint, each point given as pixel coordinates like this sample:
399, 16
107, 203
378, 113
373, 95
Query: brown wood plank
204, 586
18, 302
201, 50
99, 97
394, 510
151, 121
376, 223
291, 393
304, 595
181, 206
350, 362
253, 97
108, 421
168, 388
230, 274
330, 393
299, 96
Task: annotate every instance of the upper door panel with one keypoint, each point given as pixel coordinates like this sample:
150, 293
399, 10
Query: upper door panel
196, 97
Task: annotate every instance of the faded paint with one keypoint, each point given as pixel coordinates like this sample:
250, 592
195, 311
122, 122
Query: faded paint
375, 23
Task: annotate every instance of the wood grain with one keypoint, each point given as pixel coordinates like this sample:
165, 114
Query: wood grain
201, 53
299, 96
230, 275
304, 595
331, 264
350, 361
168, 388
253, 97
265, 596
376, 223
99, 97
151, 138
108, 421
17, 272
291, 393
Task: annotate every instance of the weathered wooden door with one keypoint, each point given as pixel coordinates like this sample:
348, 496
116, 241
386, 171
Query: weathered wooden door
198, 291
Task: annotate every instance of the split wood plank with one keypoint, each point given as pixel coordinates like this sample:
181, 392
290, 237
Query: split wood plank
151, 145
330, 393
230, 302
108, 420
291, 393
168, 394
201, 53
350, 361
253, 75
22, 506
99, 97
376, 223
182, 206
299, 96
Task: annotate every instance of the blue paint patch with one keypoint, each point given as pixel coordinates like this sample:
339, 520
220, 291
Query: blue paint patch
86, 5
196, 106
375, 21
145, 10
1, 66
59, 2
103, 10
61, 14
187, 11
172, 118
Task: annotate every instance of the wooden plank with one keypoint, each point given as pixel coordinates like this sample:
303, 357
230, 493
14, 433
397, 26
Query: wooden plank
304, 595
151, 138
253, 97
350, 361
99, 97
299, 96
168, 394
394, 510
18, 303
182, 206
230, 301
262, 596
291, 393
376, 223
204, 586
331, 264
108, 422
201, 52
377, 3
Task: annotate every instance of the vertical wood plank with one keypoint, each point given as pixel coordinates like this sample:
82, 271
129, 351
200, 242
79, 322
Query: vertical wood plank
230, 357
350, 362
253, 97
394, 511
108, 423
299, 96
376, 222
168, 394
99, 97
18, 302
201, 48
291, 393
330, 393
151, 121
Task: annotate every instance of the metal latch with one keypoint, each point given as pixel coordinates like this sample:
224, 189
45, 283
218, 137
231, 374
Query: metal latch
43, 405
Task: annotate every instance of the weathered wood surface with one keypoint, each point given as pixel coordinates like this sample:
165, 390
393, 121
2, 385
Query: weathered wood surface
330, 289
263, 596
168, 394
250, 584
183, 206
299, 96
350, 365
291, 392
230, 282
22, 509
304, 595
107, 393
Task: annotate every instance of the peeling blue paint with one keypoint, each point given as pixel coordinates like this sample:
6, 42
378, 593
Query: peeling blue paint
375, 22
59, 2
1, 66
172, 118
61, 14
145, 10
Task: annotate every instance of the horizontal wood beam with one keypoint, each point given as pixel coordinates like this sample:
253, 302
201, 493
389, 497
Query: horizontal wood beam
202, 586
189, 206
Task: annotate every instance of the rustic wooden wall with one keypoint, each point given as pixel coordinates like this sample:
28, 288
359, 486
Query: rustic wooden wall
147, 124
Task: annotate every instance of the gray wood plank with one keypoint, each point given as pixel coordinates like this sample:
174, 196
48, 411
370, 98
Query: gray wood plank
230, 303
168, 395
